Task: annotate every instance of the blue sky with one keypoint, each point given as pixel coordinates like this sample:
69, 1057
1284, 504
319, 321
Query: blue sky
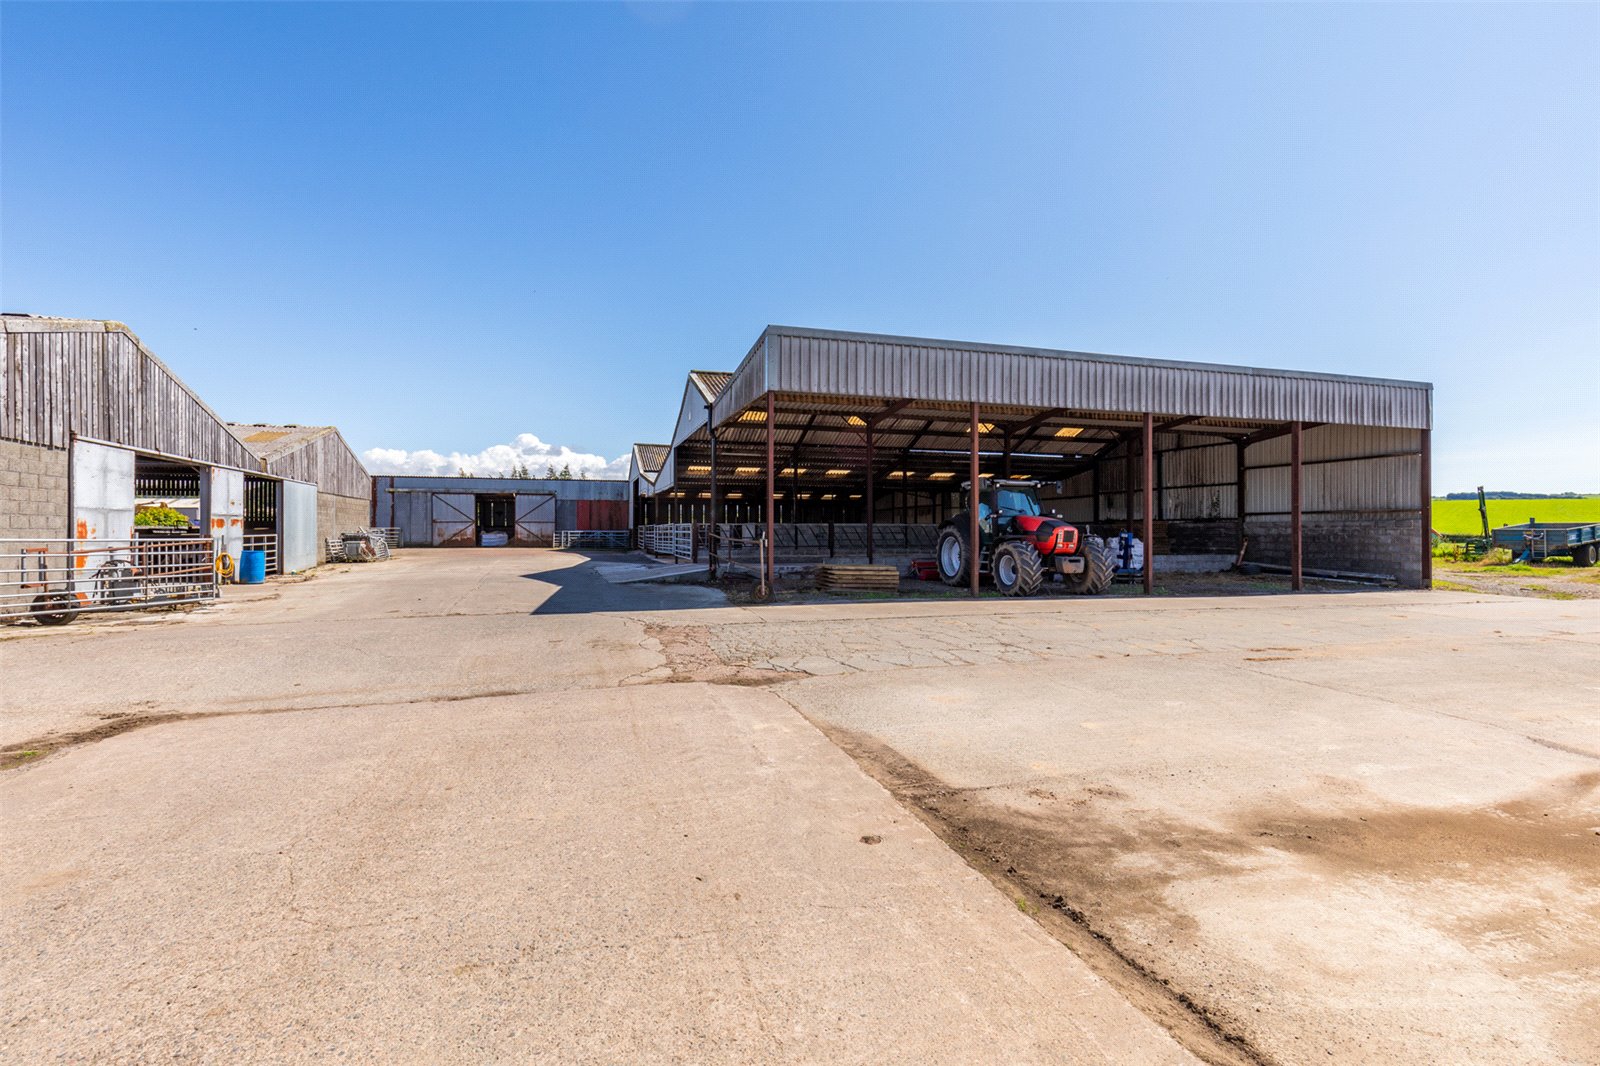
441, 227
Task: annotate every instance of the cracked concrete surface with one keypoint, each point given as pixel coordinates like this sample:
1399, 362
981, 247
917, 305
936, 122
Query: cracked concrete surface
1359, 828
525, 814
411, 813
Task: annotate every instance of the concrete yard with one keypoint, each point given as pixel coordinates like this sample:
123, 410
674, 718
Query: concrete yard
485, 805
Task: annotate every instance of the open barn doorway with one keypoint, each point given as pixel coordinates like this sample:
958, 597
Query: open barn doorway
167, 499
497, 519
262, 525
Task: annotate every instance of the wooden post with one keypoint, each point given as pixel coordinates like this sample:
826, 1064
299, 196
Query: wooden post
871, 502
772, 485
973, 549
1005, 466
1425, 503
1297, 579
1149, 504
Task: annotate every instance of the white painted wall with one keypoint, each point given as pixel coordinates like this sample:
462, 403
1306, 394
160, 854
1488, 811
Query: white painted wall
298, 523
102, 492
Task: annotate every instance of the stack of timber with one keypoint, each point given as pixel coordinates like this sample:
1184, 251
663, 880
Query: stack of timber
841, 578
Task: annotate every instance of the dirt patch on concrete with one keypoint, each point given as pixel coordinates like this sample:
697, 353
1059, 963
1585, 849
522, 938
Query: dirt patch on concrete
1559, 828
1091, 864
994, 847
1551, 581
35, 748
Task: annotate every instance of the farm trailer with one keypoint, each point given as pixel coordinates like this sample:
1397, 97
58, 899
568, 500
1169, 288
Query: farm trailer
1539, 540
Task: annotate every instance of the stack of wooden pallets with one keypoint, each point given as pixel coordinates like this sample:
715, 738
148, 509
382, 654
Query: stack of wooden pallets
841, 578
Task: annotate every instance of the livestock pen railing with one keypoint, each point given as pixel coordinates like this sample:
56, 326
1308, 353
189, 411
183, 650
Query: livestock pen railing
267, 544
818, 541
674, 539
55, 580
616, 539
793, 542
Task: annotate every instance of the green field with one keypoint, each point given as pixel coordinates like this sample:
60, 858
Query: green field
1461, 516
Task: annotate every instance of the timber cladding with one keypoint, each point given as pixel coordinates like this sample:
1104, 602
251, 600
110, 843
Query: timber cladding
96, 379
315, 454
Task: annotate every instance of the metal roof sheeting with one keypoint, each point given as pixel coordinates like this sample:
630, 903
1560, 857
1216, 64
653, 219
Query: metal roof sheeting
828, 363
270, 442
711, 383
651, 457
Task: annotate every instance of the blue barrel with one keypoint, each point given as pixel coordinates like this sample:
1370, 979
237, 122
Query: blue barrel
252, 567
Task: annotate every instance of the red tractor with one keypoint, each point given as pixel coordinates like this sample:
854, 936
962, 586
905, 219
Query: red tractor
1019, 545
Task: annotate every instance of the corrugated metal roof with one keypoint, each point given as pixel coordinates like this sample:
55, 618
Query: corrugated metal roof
271, 442
711, 383
651, 457
812, 362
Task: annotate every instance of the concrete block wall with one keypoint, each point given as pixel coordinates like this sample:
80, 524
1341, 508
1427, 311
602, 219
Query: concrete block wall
33, 491
339, 514
1203, 536
1362, 541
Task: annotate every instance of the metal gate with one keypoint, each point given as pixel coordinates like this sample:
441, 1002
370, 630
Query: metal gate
536, 521
455, 522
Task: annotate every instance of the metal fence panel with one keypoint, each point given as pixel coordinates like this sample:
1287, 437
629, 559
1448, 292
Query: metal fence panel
266, 543
56, 580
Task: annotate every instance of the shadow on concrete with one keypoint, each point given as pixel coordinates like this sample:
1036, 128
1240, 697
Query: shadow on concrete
581, 590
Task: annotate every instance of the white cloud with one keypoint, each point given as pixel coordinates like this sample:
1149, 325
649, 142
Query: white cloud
497, 460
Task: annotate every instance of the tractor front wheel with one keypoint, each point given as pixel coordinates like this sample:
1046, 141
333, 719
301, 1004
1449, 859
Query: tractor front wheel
1099, 567
1018, 570
953, 557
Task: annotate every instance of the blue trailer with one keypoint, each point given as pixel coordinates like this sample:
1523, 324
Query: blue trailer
1540, 540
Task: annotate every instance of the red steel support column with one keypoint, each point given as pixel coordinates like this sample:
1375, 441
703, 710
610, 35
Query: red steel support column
972, 508
772, 480
871, 502
1127, 483
1149, 503
1425, 502
1297, 579
1240, 502
711, 529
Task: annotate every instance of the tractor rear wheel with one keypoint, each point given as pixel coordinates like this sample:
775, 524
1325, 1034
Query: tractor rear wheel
1099, 567
953, 556
1018, 570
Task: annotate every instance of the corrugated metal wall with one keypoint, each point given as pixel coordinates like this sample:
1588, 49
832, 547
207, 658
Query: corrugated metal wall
1344, 469
406, 502
96, 380
820, 362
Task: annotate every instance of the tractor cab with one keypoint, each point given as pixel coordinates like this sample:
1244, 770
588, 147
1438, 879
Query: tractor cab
1006, 499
